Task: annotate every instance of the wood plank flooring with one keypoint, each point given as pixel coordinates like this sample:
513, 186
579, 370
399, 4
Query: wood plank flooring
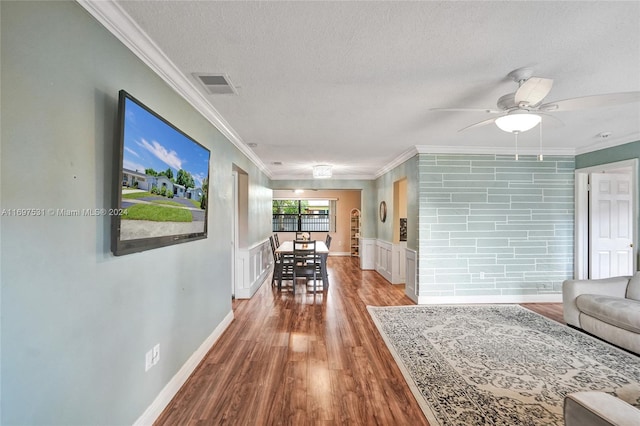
306, 360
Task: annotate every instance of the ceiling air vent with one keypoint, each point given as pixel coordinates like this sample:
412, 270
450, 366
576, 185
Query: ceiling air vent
216, 84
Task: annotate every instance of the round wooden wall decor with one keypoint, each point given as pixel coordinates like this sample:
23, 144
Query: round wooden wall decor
383, 211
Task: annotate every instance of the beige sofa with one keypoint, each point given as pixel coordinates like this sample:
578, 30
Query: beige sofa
607, 308
598, 409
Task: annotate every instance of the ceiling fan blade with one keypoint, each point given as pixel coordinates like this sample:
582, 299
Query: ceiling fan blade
533, 91
595, 101
550, 118
490, 111
480, 124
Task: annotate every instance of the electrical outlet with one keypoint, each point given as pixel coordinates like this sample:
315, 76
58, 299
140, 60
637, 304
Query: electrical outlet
155, 357
148, 361
152, 357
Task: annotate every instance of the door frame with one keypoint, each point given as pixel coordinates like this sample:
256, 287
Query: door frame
581, 243
234, 232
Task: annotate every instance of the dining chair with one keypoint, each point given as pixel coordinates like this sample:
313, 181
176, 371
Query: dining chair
276, 239
319, 262
276, 262
305, 262
282, 265
299, 235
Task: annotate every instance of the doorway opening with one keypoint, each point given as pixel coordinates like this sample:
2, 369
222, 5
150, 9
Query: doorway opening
240, 221
398, 268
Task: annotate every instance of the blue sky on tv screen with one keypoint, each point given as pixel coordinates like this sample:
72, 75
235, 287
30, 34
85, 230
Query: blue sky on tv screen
151, 143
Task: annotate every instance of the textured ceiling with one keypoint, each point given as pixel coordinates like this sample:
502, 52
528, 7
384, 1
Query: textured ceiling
351, 84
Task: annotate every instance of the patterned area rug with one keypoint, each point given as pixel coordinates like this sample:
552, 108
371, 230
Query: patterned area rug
499, 364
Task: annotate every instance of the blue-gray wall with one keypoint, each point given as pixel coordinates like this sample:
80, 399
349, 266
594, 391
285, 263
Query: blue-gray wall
609, 155
493, 226
77, 321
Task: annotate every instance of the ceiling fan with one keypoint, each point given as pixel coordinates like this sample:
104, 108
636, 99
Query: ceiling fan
523, 110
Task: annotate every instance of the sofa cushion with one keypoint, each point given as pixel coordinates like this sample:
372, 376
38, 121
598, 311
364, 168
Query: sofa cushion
623, 313
598, 408
633, 289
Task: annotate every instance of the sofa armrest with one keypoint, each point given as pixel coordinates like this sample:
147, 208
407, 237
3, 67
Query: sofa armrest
598, 409
571, 289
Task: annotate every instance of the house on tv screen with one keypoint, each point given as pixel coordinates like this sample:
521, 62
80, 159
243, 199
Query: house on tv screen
144, 182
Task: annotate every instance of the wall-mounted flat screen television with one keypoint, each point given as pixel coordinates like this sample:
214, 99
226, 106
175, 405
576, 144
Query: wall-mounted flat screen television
161, 182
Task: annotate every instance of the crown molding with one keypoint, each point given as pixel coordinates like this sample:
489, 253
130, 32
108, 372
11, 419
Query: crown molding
120, 24
490, 150
409, 153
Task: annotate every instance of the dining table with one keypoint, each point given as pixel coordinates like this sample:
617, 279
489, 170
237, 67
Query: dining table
286, 247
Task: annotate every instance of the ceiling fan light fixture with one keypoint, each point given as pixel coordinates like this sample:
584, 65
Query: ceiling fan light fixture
520, 122
322, 171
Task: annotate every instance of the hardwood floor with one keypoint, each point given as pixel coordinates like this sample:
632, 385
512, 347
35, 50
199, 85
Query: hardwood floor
305, 359
549, 310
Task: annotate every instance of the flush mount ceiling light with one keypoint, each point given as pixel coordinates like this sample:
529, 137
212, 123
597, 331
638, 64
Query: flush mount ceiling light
321, 171
518, 122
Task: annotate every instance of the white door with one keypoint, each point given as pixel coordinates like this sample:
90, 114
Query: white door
611, 225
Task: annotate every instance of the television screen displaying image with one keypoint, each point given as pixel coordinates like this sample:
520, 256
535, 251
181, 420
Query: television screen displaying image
161, 180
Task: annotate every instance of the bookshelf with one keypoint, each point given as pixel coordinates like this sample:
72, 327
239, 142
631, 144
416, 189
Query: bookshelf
355, 232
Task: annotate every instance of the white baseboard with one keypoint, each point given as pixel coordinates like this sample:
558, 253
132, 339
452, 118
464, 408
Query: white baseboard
454, 300
165, 396
340, 253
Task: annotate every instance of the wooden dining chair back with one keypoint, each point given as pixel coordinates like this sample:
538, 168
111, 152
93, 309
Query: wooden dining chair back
273, 247
276, 261
305, 261
276, 240
282, 265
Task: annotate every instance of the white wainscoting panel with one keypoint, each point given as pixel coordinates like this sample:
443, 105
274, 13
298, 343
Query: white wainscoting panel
411, 273
384, 259
398, 261
367, 253
253, 265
